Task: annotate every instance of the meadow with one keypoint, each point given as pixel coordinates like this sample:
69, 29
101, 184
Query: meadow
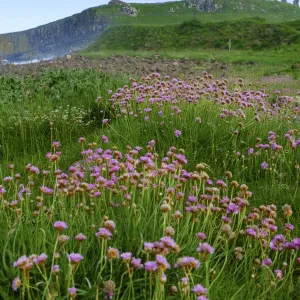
148, 188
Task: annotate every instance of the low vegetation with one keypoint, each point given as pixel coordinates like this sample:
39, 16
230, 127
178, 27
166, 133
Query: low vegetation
181, 190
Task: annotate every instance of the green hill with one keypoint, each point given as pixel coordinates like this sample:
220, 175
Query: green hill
159, 13
251, 34
254, 24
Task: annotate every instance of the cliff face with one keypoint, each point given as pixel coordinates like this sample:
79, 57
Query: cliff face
53, 39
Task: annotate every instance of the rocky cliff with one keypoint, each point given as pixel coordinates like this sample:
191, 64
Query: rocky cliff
54, 39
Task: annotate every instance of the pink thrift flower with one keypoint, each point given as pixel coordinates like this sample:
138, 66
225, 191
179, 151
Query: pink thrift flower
75, 258
16, 283
177, 133
60, 225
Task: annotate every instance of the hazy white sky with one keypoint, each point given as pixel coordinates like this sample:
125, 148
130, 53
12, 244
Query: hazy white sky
17, 15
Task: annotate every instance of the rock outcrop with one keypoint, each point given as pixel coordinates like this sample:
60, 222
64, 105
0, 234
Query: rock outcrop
202, 5
129, 10
53, 39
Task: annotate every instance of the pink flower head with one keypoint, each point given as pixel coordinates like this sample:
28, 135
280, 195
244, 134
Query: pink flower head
34, 170
136, 263
177, 133
80, 237
162, 262
16, 283
201, 236
75, 258
126, 256
72, 291
148, 247
202, 298
41, 259
21, 261
251, 232
278, 274
109, 224
267, 262
60, 225
151, 266
199, 290
103, 233
56, 145
55, 269
188, 263
205, 248
104, 139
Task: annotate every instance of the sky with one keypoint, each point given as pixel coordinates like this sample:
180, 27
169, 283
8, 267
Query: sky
17, 15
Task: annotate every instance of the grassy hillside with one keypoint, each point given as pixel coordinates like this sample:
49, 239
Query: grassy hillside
251, 34
158, 14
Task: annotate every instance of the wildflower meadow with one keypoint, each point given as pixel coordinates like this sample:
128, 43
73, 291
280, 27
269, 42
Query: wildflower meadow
153, 188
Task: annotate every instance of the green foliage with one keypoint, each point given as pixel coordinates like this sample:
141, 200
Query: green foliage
27, 226
65, 97
245, 34
158, 13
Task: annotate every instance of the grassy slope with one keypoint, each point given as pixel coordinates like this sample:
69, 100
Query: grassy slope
158, 14
137, 37
252, 34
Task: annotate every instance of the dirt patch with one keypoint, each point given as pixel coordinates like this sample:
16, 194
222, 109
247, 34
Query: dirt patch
117, 65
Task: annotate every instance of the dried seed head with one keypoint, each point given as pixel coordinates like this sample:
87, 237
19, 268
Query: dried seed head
165, 208
234, 184
238, 256
109, 287
228, 174
169, 231
173, 290
226, 228
244, 187
200, 167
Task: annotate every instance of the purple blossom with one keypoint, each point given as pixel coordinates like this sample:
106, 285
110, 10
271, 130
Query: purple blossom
201, 236
136, 263
103, 233
251, 232
72, 291
162, 262
151, 266
21, 261
232, 208
126, 256
187, 262
278, 273
202, 298
148, 247
41, 259
55, 269
104, 139
289, 227
75, 258
250, 151
16, 283
267, 262
200, 290
80, 237
60, 225
177, 133
277, 243
264, 165
205, 248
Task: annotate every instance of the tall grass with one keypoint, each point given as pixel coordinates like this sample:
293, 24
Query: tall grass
181, 183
